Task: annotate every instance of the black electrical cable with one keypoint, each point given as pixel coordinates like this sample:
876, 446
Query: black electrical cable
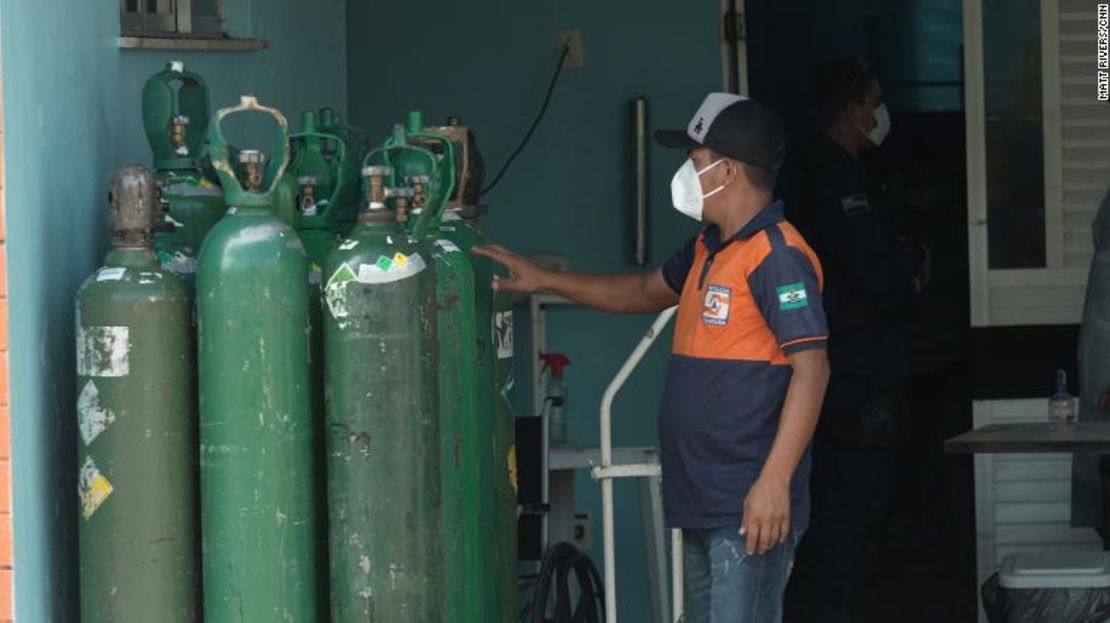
553, 589
535, 124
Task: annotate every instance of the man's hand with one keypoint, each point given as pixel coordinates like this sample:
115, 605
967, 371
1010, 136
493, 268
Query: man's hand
925, 274
633, 293
524, 275
766, 515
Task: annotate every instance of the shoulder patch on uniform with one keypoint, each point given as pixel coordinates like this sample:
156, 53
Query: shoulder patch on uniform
793, 296
855, 204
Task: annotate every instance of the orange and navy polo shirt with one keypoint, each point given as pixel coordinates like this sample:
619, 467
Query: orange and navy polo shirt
746, 304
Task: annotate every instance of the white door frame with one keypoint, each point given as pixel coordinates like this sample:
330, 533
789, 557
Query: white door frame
741, 59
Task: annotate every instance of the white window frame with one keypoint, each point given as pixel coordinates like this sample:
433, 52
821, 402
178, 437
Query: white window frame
174, 18
1035, 296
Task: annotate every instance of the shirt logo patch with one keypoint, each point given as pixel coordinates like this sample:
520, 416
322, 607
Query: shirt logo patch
717, 302
793, 296
855, 204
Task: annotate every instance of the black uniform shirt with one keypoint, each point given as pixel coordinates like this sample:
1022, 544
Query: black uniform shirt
849, 220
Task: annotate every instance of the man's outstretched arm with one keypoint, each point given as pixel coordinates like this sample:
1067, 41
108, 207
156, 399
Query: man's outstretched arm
633, 293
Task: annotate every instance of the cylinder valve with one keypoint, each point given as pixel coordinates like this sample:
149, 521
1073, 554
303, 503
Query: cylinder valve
419, 185
375, 185
401, 198
178, 127
308, 191
252, 161
133, 205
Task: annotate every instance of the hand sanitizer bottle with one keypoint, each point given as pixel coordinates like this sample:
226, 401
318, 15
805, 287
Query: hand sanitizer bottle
1061, 408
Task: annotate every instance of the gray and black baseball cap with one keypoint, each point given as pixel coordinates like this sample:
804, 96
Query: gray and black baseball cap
734, 126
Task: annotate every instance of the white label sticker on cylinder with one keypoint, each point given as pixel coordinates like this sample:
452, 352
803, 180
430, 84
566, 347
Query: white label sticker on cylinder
93, 417
448, 246
103, 351
111, 274
503, 334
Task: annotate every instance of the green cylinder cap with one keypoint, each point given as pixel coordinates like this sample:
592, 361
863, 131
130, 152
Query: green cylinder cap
308, 121
416, 121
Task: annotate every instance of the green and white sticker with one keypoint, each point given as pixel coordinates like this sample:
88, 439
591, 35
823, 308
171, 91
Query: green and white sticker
503, 334
335, 293
390, 269
793, 296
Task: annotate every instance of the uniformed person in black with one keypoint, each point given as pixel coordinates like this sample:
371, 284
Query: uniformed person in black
871, 276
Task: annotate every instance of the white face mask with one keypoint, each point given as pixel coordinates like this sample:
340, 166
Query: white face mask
882, 125
686, 189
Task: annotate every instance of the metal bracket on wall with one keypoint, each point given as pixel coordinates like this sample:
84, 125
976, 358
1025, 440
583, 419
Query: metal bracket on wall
192, 44
735, 30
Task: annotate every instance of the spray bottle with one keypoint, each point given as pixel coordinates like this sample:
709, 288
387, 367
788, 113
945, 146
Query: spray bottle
556, 397
1061, 408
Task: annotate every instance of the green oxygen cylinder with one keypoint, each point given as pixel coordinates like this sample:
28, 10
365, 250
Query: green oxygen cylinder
426, 162
459, 225
439, 163
328, 184
175, 117
467, 557
136, 417
453, 145
354, 144
495, 337
257, 490
383, 422
327, 174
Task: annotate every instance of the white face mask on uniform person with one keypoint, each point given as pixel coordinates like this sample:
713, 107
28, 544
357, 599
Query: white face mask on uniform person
878, 133
686, 191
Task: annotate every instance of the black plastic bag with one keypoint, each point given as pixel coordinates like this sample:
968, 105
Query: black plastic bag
1045, 605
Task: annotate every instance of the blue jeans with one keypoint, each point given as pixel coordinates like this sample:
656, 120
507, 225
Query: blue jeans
725, 585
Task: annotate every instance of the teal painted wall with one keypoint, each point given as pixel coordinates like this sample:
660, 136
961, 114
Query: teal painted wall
489, 61
72, 114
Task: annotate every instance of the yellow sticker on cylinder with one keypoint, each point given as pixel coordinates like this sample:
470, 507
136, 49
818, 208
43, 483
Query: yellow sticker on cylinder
400, 260
513, 478
92, 487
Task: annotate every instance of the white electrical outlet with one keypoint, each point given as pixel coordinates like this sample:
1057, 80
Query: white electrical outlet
576, 57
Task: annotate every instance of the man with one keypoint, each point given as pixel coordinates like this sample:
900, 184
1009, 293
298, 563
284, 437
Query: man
749, 371
872, 275
1094, 378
